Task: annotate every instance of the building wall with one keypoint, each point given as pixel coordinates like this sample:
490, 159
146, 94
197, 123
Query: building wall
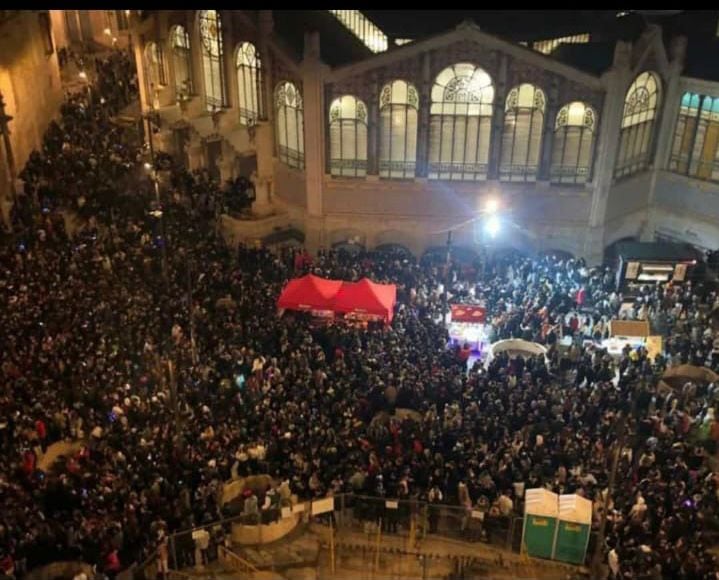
417, 212
30, 85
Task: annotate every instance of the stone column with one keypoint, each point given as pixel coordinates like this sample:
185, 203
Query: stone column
266, 25
228, 63
425, 99
615, 81
263, 178
373, 131
227, 165
495, 142
550, 114
665, 128
195, 154
313, 71
193, 29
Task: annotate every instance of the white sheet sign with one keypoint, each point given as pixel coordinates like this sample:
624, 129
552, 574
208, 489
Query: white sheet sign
322, 506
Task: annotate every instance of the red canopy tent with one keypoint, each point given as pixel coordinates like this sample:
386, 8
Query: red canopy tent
309, 293
367, 298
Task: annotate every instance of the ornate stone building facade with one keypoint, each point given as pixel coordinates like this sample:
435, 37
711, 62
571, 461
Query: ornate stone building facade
403, 146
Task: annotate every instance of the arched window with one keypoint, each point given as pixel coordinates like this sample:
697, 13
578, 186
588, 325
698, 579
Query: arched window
181, 60
154, 69
572, 149
695, 151
249, 80
398, 104
460, 123
348, 137
640, 110
212, 51
290, 125
522, 134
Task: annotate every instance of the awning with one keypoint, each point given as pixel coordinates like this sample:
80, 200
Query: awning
367, 298
309, 293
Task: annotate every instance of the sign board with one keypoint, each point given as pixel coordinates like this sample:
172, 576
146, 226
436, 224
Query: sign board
632, 271
469, 313
629, 328
298, 508
680, 272
391, 505
654, 346
478, 515
322, 506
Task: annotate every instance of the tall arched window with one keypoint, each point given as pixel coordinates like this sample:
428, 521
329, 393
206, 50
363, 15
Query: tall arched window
398, 104
522, 134
249, 80
212, 67
573, 143
181, 60
460, 123
290, 125
695, 151
348, 137
154, 70
640, 110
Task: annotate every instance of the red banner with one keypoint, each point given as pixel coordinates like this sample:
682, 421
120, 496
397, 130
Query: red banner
468, 313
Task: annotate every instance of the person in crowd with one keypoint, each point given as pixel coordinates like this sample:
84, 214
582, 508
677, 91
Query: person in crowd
175, 388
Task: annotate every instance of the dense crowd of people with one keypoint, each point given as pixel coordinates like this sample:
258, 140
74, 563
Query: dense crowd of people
158, 349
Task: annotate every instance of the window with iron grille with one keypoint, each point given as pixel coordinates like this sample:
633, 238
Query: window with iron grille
522, 134
636, 137
348, 137
212, 54
290, 125
399, 104
573, 143
460, 123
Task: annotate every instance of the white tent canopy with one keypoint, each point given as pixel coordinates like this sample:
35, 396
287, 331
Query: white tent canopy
515, 347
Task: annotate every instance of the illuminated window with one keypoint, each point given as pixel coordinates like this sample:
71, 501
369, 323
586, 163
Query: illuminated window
573, 143
348, 137
371, 36
249, 87
640, 110
398, 105
290, 125
212, 66
154, 68
181, 60
695, 150
548, 46
522, 134
460, 123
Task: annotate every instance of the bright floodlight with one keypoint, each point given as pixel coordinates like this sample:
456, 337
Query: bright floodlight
492, 226
83, 75
107, 32
492, 206
148, 166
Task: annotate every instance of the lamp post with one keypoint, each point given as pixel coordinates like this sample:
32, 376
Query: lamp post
492, 227
9, 156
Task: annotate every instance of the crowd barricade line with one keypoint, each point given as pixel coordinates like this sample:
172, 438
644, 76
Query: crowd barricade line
370, 518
